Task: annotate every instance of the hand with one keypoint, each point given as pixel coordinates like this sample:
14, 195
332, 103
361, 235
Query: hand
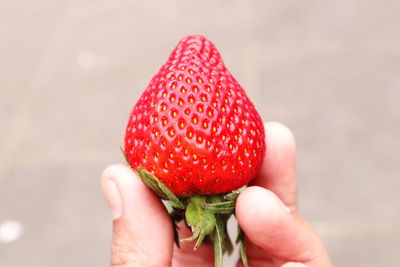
277, 236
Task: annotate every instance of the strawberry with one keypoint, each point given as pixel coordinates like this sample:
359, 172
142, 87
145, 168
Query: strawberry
194, 127
194, 134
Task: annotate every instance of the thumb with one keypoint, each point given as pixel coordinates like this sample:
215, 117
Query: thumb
281, 234
142, 231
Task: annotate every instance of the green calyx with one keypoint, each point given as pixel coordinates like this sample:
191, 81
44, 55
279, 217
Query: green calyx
206, 215
199, 219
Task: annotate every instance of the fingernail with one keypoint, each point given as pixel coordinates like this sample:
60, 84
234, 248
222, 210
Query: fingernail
294, 264
113, 197
284, 207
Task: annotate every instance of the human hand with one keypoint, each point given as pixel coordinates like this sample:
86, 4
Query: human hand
277, 236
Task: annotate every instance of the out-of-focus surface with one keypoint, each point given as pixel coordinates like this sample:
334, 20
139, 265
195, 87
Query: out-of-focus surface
70, 71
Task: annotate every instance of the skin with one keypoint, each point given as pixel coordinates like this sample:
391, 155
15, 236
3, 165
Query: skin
277, 235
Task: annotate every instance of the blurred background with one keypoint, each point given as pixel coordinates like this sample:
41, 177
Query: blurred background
70, 71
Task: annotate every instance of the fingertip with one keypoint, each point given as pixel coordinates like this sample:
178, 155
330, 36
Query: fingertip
280, 134
142, 230
109, 182
111, 171
256, 205
278, 170
127, 195
118, 172
274, 228
127, 180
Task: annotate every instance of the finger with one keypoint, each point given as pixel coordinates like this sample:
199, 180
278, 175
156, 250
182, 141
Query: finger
278, 231
142, 230
278, 171
186, 256
256, 257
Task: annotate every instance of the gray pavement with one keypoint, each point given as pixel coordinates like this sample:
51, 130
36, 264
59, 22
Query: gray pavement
70, 71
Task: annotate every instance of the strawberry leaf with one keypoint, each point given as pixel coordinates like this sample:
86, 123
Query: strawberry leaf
159, 188
232, 196
227, 207
242, 246
124, 154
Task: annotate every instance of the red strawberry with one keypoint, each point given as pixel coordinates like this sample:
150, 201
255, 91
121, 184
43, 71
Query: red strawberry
194, 134
194, 127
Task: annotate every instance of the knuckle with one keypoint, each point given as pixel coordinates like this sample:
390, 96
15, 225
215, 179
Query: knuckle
123, 255
127, 256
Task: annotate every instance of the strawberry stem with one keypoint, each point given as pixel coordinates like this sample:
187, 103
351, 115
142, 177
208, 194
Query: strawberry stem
199, 219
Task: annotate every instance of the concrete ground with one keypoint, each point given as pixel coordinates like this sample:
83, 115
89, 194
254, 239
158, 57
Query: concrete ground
70, 71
